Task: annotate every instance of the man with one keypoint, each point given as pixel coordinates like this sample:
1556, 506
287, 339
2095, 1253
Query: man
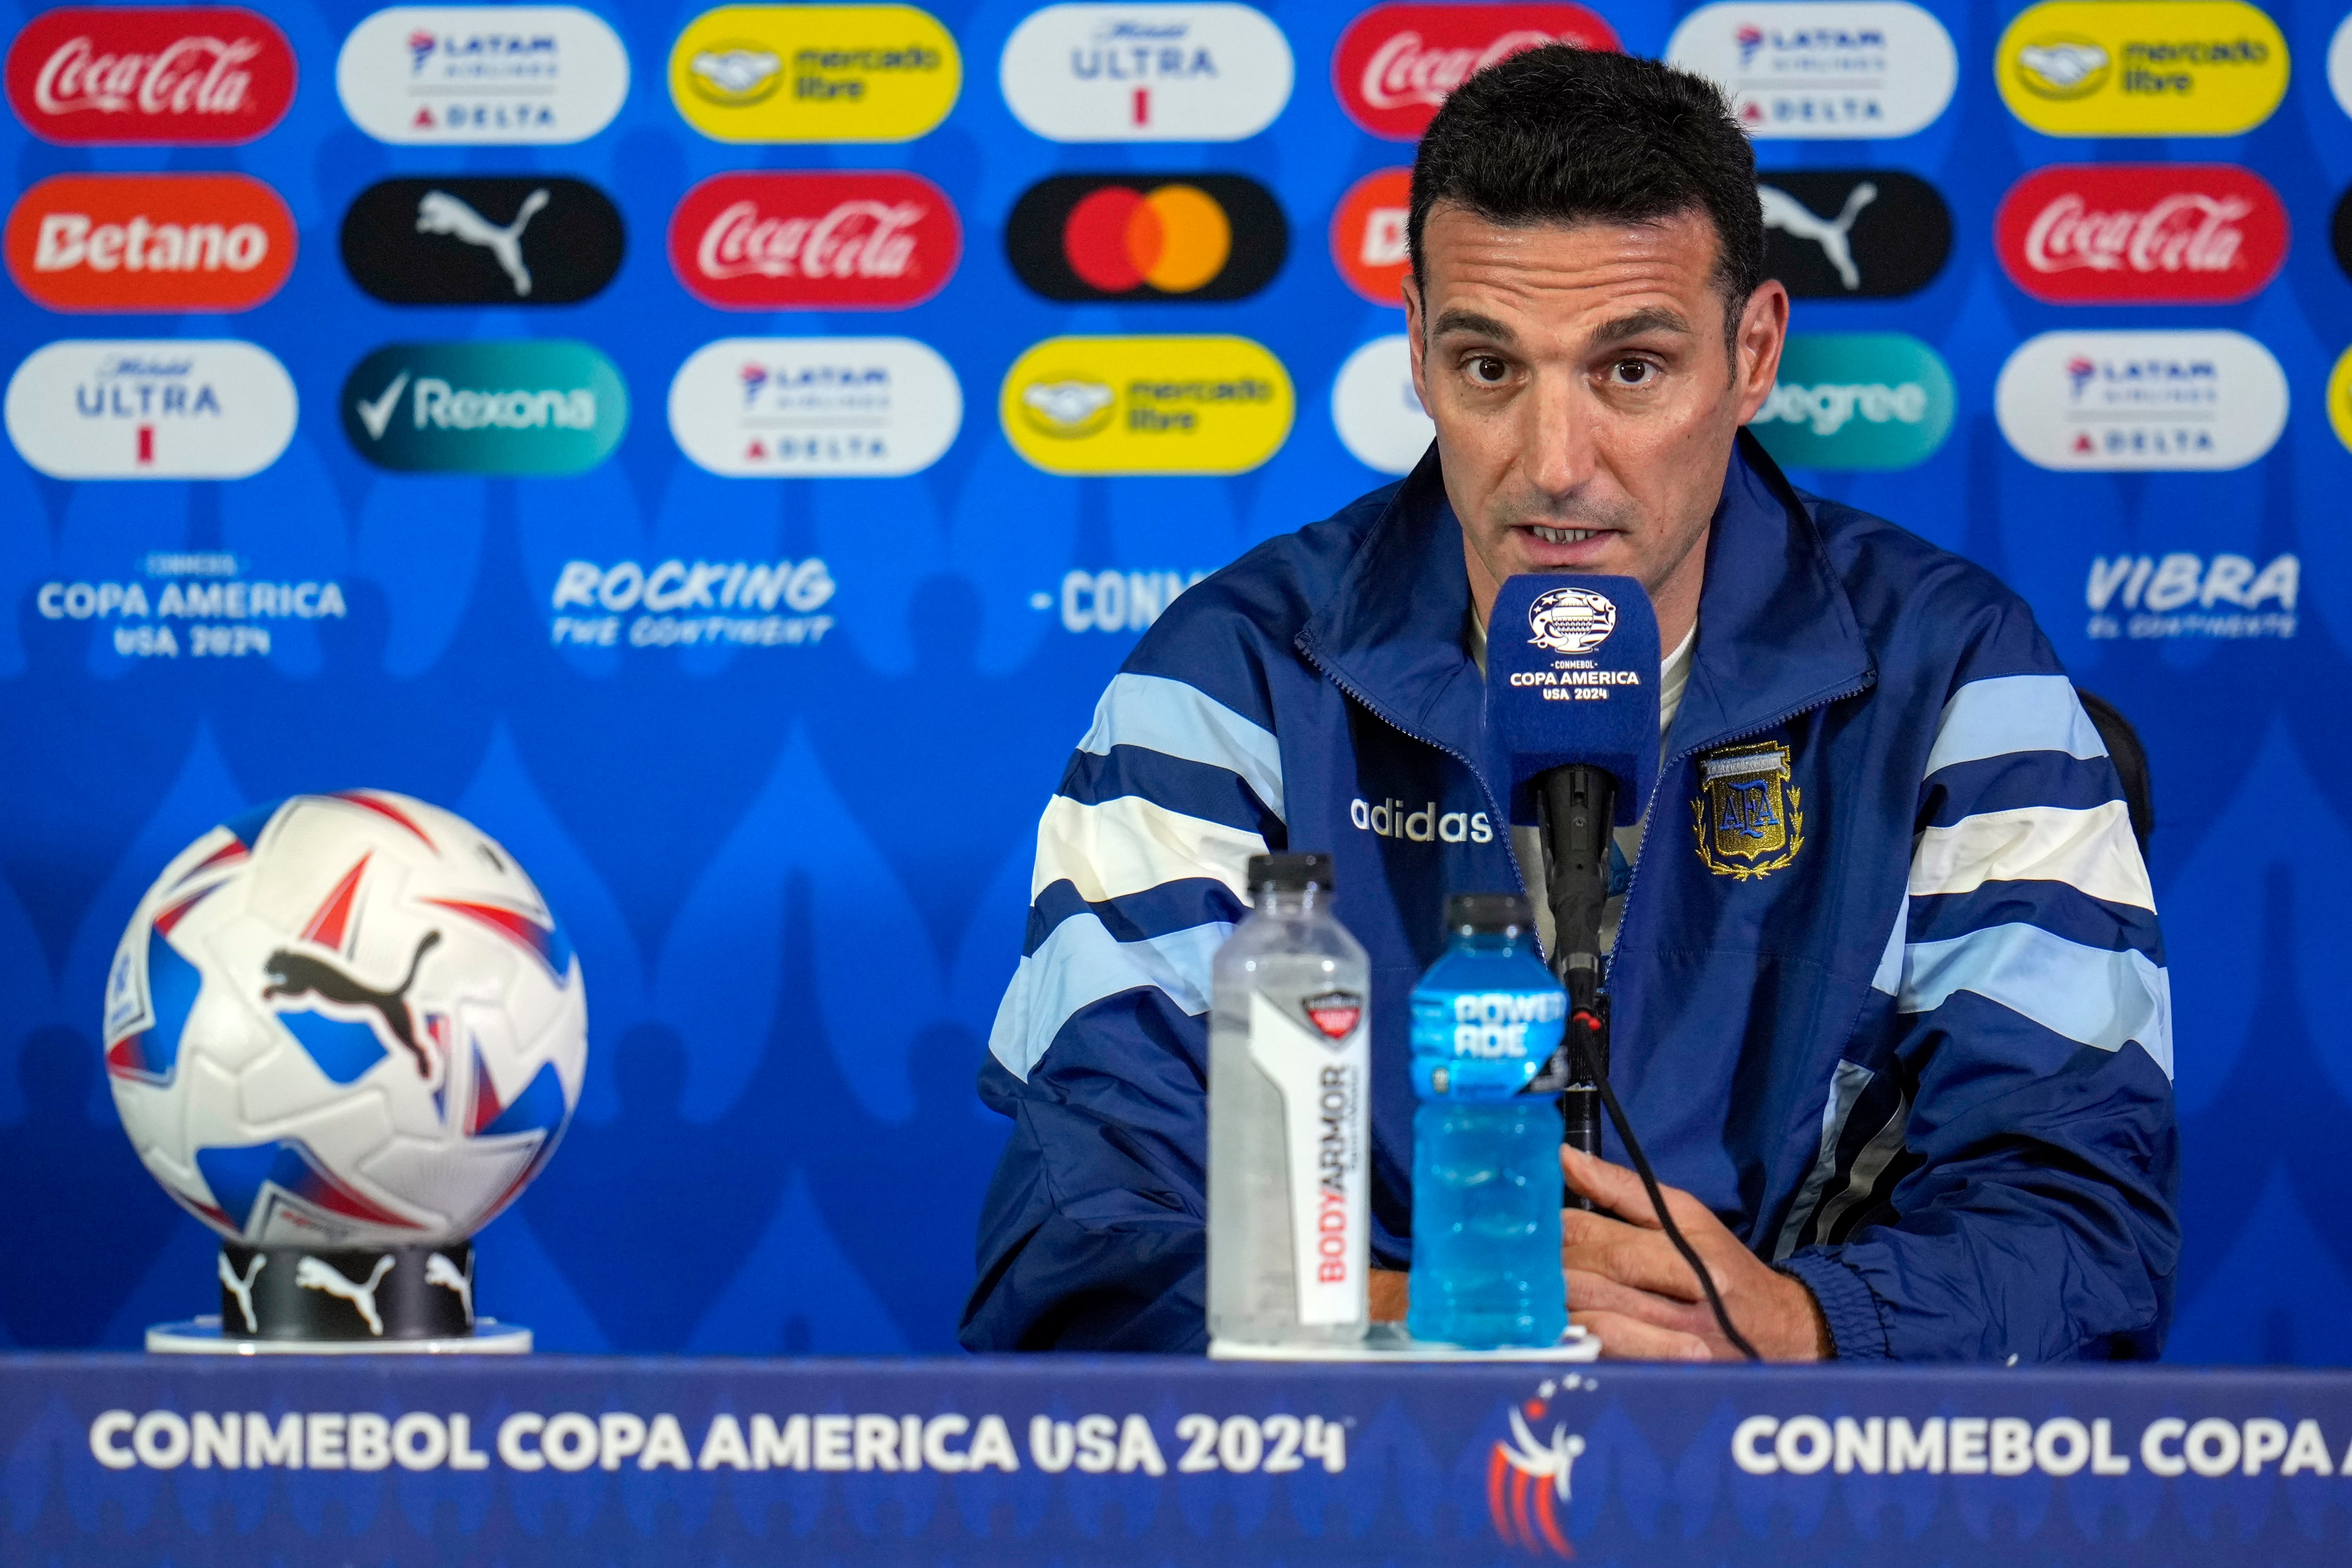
1904, 1057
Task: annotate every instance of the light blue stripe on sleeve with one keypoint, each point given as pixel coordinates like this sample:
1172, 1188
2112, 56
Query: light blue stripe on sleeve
1082, 963
1179, 720
2013, 713
2090, 995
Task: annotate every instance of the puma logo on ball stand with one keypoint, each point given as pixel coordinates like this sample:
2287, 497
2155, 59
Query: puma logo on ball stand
317, 1301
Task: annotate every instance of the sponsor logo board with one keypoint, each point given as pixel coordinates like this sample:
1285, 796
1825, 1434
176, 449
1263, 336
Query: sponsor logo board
1395, 64
149, 74
2181, 594
166, 408
468, 239
129, 243
2156, 234
815, 73
542, 406
2125, 402
878, 240
1206, 72
1206, 404
2339, 232
482, 75
1824, 70
1201, 237
1853, 234
2142, 67
1377, 411
769, 408
679, 603
1369, 244
1856, 401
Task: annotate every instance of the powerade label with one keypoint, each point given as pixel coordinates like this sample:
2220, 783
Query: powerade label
1321, 1072
1483, 1045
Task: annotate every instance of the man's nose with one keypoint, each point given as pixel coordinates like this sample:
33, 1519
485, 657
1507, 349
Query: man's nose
1559, 456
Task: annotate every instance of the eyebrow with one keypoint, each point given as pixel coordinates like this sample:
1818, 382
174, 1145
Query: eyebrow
1653, 319
1459, 320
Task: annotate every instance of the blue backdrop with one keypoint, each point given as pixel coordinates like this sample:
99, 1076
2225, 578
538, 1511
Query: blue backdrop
796, 874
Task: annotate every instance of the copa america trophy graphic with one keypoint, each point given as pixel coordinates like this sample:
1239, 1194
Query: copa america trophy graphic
345, 1031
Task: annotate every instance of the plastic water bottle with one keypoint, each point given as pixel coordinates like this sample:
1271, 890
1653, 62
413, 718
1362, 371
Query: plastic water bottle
1486, 1157
1289, 1130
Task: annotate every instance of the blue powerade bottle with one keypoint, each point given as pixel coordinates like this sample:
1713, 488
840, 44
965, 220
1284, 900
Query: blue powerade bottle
1486, 1157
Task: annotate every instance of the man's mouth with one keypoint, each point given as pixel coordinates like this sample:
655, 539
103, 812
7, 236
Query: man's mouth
1563, 536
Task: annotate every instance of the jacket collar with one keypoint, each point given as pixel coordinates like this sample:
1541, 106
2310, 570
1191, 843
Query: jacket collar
1776, 632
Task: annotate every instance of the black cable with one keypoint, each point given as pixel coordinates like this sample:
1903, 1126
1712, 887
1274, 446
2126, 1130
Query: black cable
1666, 1221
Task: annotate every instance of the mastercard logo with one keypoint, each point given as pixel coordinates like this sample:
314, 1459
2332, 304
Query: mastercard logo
1368, 235
1178, 237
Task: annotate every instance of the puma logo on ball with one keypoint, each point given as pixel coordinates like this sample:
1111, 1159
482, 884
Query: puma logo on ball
293, 974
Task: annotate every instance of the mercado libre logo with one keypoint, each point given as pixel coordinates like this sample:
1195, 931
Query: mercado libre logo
539, 406
815, 73
1395, 64
2134, 233
470, 240
140, 75
129, 243
1182, 72
1856, 401
1369, 239
874, 240
1816, 71
1193, 237
166, 408
2140, 402
779, 408
1208, 404
482, 75
2142, 67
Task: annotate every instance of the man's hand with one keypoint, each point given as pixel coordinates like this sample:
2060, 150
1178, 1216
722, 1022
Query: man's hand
1628, 1285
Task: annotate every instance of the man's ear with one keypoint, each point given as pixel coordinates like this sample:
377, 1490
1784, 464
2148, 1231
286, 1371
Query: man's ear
1417, 344
1763, 333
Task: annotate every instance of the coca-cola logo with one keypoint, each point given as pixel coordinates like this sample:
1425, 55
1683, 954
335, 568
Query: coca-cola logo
118, 243
1395, 64
2182, 234
879, 240
150, 74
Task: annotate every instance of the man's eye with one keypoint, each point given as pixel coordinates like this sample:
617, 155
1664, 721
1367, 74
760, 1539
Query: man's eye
1488, 370
1632, 372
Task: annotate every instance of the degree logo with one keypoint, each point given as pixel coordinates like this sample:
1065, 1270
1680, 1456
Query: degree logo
1856, 401
2142, 67
142, 75
1194, 238
1395, 64
1186, 72
469, 240
1822, 70
124, 242
1369, 239
799, 408
2136, 401
1146, 405
878, 240
482, 75
534, 406
2130, 233
168, 408
815, 73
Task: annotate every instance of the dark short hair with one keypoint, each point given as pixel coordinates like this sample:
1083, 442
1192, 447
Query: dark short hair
1563, 135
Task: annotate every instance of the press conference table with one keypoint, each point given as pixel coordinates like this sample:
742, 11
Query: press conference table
108, 1459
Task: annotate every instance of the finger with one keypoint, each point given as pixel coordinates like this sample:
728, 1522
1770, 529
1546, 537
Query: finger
1599, 1293
1641, 1258
1621, 1191
1583, 1228
1627, 1339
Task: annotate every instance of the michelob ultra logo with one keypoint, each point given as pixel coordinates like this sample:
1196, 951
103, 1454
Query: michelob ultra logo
1185, 72
142, 75
481, 75
815, 73
2123, 402
1146, 405
165, 407
528, 406
2142, 67
1857, 400
123, 243
771, 408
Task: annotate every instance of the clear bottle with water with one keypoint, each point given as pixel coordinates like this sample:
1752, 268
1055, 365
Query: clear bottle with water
1486, 1157
1289, 1117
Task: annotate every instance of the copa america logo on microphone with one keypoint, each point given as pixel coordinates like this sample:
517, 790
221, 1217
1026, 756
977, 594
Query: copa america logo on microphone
1571, 620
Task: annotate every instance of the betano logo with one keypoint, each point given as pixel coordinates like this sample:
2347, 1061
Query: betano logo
123, 243
1196, 237
1369, 239
169, 408
779, 408
482, 75
1204, 404
2136, 402
815, 73
1856, 401
1823, 71
1183, 72
543, 407
2142, 67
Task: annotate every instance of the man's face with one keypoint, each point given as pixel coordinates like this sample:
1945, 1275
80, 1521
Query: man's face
1585, 397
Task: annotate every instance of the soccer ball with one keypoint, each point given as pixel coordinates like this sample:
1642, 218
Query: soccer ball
345, 1021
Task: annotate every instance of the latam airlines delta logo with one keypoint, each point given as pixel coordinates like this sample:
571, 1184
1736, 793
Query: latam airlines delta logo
1183, 72
1395, 64
482, 75
166, 408
1856, 401
123, 243
2142, 67
779, 408
1209, 404
142, 75
877, 240
815, 73
538, 407
2135, 402
2128, 233
1823, 71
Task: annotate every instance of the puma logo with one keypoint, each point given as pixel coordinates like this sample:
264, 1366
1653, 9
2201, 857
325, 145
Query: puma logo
313, 1274
439, 1271
1794, 218
242, 1288
442, 214
293, 974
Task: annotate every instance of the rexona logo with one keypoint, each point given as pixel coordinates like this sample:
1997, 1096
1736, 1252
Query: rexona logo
530, 406
170, 408
1853, 234
1369, 241
1377, 411
122, 243
1823, 71
501, 75
787, 408
815, 73
1395, 64
1198, 237
1857, 400
2134, 234
877, 240
2142, 67
2184, 595
469, 240
1214, 72
2139, 401
207, 75
1146, 405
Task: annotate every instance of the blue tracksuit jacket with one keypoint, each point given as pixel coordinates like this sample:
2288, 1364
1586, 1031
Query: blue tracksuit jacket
1893, 1005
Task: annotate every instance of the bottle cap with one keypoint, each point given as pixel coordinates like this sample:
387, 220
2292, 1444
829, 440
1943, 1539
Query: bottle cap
1489, 912
1290, 873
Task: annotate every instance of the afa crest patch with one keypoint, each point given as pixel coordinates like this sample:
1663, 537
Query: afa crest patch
1750, 821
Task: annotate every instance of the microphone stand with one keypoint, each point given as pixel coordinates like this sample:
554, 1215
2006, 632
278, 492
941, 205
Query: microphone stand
1576, 809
